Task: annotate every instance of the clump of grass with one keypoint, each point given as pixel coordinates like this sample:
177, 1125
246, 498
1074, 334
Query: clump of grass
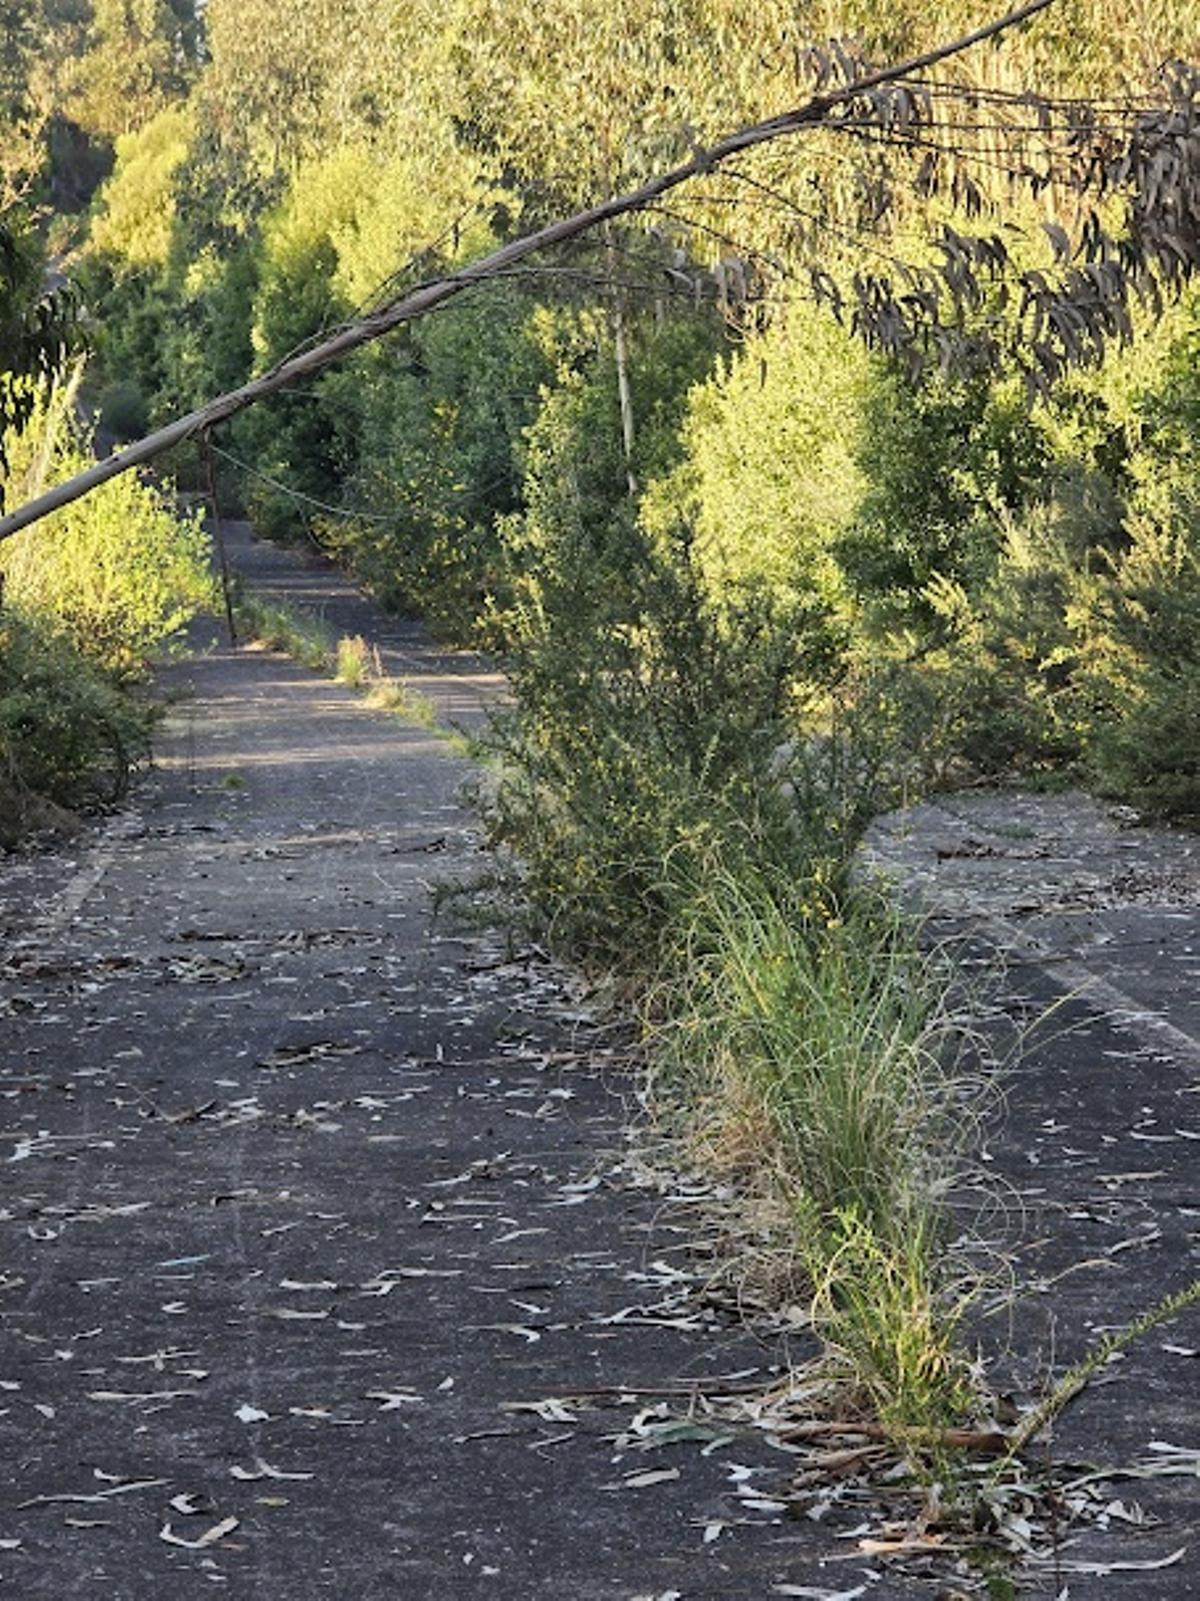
353, 662
349, 659
887, 1307
390, 695
814, 1046
304, 638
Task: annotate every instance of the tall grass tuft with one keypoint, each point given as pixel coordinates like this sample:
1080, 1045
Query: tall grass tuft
814, 1047
309, 640
304, 637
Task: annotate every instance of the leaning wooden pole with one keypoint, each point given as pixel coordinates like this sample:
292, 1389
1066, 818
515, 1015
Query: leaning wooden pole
436, 293
218, 527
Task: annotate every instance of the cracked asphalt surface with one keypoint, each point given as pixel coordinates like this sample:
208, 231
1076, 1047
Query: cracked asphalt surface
1094, 921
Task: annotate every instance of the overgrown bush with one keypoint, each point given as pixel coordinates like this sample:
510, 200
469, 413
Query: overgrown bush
439, 422
1143, 666
88, 595
638, 739
117, 573
68, 735
771, 473
123, 411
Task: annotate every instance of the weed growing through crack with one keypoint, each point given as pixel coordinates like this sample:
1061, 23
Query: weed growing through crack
353, 662
815, 1048
349, 659
304, 638
1077, 1378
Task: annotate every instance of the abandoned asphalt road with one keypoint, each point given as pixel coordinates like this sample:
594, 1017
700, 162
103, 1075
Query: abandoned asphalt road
327, 1272
316, 1213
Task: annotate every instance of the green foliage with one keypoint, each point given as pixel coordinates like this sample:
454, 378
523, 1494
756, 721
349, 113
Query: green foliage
770, 478
68, 735
938, 533
135, 225
18, 29
117, 573
943, 465
771, 472
284, 89
1027, 576
439, 423
349, 222
828, 1007
123, 413
133, 62
295, 298
654, 725
307, 639
37, 329
810, 1049
1144, 671
1143, 656
646, 708
22, 142
576, 490
644, 722
993, 676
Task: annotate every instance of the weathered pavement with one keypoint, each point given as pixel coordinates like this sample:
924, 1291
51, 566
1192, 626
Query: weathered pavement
297, 1182
1097, 922
459, 685
301, 1192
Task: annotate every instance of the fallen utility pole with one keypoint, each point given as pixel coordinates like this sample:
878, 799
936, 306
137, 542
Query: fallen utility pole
438, 291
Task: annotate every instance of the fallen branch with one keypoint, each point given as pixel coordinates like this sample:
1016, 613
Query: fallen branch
437, 292
987, 1442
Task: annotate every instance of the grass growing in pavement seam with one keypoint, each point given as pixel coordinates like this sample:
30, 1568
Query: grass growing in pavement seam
816, 1052
820, 1056
348, 659
304, 638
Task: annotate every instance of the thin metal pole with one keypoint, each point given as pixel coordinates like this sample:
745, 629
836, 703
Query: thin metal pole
218, 533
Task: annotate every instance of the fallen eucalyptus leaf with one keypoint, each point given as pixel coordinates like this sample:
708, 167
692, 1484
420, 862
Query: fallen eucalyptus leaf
639, 1481
209, 1537
264, 1470
1150, 1566
815, 1593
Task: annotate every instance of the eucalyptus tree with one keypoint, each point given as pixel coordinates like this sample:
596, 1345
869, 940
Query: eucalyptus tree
133, 62
1134, 166
37, 326
24, 111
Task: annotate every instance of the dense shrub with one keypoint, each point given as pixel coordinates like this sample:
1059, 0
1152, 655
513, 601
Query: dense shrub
1143, 741
770, 475
116, 573
67, 733
439, 423
943, 464
641, 735
88, 595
